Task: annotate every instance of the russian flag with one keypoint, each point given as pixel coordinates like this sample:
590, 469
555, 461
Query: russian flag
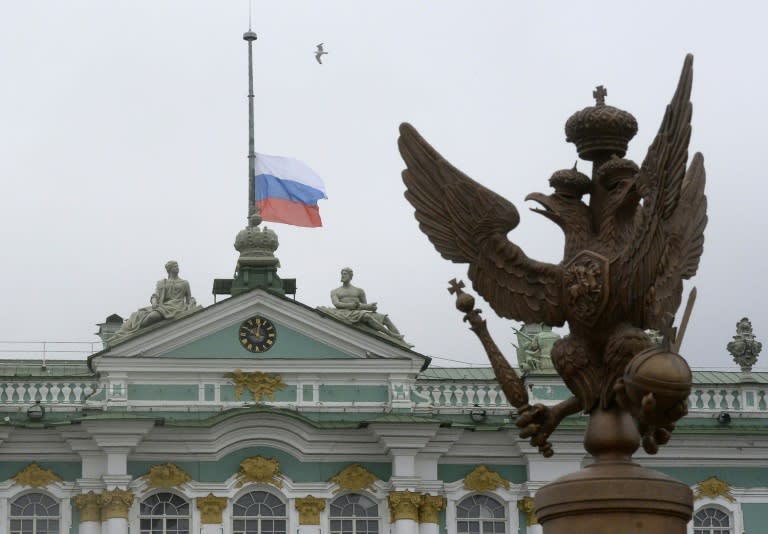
287, 191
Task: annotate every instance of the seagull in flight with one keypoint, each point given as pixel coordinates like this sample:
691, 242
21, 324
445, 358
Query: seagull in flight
319, 54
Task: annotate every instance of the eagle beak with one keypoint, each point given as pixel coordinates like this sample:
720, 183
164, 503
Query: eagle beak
545, 201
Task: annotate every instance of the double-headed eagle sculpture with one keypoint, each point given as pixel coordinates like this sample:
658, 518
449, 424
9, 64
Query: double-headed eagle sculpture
626, 253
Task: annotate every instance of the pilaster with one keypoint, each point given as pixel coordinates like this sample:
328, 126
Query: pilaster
429, 513
211, 508
309, 509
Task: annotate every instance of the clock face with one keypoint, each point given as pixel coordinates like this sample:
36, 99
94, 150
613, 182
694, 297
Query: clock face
257, 334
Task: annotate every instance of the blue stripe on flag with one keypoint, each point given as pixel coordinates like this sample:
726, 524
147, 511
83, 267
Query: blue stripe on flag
268, 186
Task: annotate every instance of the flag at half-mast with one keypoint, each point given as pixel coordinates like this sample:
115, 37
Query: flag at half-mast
287, 191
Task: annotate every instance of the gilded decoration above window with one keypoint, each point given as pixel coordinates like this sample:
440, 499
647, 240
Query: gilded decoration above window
354, 477
713, 488
166, 476
259, 469
483, 479
36, 477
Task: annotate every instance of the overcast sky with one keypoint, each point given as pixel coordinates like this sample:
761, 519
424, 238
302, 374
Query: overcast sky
123, 143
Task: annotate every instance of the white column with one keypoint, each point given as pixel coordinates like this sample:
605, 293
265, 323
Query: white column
404, 511
211, 529
89, 508
429, 528
534, 529
116, 525
114, 511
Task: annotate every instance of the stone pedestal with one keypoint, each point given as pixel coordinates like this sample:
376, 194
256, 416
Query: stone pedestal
614, 495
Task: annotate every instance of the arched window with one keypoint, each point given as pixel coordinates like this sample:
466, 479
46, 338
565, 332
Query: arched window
480, 514
259, 512
711, 521
35, 513
164, 513
354, 514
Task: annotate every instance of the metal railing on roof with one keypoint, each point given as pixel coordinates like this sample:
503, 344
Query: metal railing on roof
48, 350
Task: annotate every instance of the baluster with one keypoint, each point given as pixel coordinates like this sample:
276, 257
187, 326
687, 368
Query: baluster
20, 392
717, 399
705, 399
76, 391
481, 394
43, 391
9, 391
436, 395
761, 404
459, 392
66, 392
493, 393
55, 390
470, 392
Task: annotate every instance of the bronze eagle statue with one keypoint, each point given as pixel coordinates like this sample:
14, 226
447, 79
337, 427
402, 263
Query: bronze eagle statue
626, 251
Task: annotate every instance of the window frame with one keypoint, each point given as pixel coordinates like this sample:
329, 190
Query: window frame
64, 516
188, 500
504, 520
377, 502
732, 509
258, 489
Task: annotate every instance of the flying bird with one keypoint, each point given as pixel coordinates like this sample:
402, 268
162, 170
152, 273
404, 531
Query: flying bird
622, 264
320, 53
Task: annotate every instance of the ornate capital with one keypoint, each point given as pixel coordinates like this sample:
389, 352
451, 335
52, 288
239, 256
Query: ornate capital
210, 509
354, 477
88, 505
404, 505
259, 384
259, 469
526, 506
430, 507
309, 509
165, 476
483, 479
713, 488
35, 476
115, 504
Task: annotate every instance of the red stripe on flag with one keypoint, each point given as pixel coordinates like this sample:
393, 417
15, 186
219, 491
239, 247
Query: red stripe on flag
287, 212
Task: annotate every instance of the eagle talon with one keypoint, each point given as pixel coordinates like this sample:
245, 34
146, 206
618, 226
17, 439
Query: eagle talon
536, 424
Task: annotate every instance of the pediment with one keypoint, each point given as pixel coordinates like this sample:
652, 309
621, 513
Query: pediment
302, 333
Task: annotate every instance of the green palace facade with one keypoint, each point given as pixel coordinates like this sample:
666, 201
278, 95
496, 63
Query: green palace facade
259, 414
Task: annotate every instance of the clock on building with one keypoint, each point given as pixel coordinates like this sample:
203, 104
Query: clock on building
257, 334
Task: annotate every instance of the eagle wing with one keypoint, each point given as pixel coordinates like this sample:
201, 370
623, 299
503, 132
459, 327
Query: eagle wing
468, 223
669, 233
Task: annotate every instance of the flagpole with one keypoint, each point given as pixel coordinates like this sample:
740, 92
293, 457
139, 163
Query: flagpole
250, 36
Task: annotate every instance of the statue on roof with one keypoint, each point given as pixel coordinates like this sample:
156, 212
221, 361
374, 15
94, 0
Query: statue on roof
172, 299
352, 307
744, 348
535, 342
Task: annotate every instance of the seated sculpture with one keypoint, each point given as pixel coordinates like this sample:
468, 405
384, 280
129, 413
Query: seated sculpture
351, 306
172, 299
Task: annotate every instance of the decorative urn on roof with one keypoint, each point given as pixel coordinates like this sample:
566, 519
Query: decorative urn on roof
744, 348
